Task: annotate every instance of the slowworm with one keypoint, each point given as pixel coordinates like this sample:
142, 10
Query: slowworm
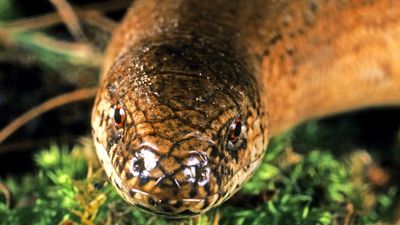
191, 91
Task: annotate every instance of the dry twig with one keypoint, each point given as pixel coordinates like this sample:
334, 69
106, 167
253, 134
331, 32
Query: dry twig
7, 194
53, 18
70, 18
55, 102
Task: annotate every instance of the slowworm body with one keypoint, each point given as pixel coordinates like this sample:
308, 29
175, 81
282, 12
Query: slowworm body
191, 91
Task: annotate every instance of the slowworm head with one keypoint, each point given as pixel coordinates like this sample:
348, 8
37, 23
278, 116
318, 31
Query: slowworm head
178, 127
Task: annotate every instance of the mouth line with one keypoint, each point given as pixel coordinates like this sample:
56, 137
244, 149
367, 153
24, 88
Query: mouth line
145, 194
173, 208
169, 215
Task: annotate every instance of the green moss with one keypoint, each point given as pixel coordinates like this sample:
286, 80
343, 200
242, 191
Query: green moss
288, 188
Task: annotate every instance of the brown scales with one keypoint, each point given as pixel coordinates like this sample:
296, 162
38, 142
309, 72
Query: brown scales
271, 64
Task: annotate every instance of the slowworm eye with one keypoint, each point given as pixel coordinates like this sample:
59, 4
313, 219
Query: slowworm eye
235, 129
236, 136
118, 114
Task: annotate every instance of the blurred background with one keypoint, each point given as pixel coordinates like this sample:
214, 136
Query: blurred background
36, 64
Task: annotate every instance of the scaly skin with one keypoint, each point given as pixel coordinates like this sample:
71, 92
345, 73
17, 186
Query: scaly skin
203, 84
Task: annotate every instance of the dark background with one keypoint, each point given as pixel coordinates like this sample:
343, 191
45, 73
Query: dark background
25, 82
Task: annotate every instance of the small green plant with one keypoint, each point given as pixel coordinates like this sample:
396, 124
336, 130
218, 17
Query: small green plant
288, 188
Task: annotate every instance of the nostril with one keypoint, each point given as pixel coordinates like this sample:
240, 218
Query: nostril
196, 174
196, 169
143, 162
137, 166
204, 176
